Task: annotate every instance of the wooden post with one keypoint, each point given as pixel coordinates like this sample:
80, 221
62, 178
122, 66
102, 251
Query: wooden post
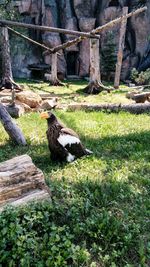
54, 69
94, 61
6, 61
7, 77
11, 128
95, 85
53, 77
120, 49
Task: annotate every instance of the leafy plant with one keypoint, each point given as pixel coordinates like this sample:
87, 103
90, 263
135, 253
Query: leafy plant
141, 78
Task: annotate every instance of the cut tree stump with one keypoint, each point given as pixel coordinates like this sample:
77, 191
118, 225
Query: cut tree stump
21, 181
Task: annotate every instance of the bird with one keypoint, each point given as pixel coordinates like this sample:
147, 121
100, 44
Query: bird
64, 144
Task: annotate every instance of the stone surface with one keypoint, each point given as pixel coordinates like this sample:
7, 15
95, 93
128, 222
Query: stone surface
82, 15
29, 98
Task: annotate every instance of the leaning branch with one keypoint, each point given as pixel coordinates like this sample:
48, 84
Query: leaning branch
11, 128
97, 30
118, 20
48, 29
82, 35
65, 45
30, 40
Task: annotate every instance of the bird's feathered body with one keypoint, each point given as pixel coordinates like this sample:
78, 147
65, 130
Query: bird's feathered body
64, 143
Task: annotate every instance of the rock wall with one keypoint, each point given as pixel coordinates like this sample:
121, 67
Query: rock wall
82, 15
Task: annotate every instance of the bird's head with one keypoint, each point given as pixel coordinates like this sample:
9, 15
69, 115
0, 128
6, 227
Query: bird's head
49, 116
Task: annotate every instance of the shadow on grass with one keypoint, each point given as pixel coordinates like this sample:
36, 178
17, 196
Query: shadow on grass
133, 146
94, 209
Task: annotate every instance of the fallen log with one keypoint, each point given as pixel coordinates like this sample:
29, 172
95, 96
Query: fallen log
132, 108
21, 181
11, 128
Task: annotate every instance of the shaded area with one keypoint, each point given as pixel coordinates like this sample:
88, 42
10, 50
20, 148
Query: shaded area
101, 200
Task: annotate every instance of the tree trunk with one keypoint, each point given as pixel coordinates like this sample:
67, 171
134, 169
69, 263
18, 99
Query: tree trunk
11, 128
54, 80
21, 181
7, 77
120, 50
95, 85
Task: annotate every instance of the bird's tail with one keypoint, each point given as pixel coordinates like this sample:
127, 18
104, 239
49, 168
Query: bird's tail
88, 152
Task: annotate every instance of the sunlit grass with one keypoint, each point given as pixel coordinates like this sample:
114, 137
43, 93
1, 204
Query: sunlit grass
72, 92
100, 193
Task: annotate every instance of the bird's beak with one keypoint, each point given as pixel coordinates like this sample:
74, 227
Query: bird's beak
44, 115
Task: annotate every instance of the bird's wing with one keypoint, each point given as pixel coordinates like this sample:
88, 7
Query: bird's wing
67, 137
69, 131
70, 140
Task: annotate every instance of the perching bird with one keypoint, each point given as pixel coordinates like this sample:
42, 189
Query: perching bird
64, 143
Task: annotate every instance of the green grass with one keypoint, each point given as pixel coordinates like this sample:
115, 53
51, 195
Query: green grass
100, 209
72, 92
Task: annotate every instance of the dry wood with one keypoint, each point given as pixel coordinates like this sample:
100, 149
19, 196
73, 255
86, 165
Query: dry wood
11, 128
95, 85
132, 108
48, 29
7, 77
21, 181
121, 48
65, 45
31, 40
112, 23
91, 34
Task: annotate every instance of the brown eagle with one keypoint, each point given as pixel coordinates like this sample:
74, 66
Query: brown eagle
64, 144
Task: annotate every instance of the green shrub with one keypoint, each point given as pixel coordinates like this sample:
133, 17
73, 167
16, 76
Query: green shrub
30, 237
141, 78
63, 235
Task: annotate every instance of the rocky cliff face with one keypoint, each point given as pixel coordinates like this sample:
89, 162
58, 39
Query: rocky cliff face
81, 15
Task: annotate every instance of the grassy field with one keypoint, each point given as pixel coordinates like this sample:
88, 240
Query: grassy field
72, 92
100, 210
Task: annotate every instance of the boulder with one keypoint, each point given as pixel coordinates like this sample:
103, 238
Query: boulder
25, 6
33, 100
83, 8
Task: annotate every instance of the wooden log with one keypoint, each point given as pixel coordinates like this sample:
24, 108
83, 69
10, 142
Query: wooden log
91, 34
65, 45
30, 40
114, 22
53, 77
11, 128
21, 181
132, 108
47, 29
120, 49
